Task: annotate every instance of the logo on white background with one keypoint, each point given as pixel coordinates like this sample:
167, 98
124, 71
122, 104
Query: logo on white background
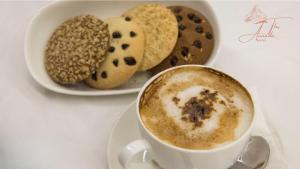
265, 27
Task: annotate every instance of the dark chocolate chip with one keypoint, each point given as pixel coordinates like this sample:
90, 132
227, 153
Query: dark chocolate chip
197, 43
116, 62
94, 76
104, 75
208, 35
181, 27
116, 34
179, 34
177, 10
184, 51
127, 18
111, 49
191, 16
125, 46
132, 34
196, 19
174, 61
199, 29
130, 60
179, 18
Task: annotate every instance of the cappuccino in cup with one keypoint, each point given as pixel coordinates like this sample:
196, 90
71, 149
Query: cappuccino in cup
196, 108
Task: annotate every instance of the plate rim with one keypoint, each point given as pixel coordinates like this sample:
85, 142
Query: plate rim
95, 92
53, 88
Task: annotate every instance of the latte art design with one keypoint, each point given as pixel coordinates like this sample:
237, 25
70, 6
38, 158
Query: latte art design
196, 109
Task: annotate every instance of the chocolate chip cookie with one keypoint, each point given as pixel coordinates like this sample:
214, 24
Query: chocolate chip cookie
124, 54
195, 39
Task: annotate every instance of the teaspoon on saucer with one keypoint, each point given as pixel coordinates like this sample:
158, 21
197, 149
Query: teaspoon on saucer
255, 155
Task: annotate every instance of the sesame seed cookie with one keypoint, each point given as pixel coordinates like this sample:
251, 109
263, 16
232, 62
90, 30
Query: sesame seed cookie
76, 49
160, 28
124, 54
195, 40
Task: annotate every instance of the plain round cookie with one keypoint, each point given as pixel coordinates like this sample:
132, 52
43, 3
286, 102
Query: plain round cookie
160, 28
195, 40
124, 54
76, 49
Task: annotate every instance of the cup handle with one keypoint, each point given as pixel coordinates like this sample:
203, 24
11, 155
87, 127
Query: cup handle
131, 150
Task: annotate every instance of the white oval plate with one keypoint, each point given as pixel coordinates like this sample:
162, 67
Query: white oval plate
51, 16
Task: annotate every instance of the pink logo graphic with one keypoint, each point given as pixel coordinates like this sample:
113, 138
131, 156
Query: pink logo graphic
255, 15
265, 26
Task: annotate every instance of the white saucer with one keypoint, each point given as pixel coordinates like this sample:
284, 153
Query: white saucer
126, 130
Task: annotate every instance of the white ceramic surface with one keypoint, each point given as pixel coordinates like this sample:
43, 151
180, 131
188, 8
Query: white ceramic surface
51, 16
173, 157
126, 129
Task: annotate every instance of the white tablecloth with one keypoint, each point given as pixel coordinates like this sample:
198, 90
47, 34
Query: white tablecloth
40, 129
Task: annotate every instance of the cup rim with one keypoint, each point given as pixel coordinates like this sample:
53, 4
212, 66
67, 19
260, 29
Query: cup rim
169, 145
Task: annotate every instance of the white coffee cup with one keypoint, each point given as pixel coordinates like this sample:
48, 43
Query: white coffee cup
172, 157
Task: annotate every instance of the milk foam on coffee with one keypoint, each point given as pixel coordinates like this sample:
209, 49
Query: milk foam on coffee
196, 108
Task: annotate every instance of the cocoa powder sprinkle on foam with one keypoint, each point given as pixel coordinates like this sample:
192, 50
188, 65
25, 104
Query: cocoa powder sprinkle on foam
196, 110
176, 100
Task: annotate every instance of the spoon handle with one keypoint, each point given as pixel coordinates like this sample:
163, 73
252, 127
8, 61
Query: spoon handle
238, 165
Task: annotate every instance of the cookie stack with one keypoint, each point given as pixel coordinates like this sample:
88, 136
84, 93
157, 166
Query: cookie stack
106, 54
